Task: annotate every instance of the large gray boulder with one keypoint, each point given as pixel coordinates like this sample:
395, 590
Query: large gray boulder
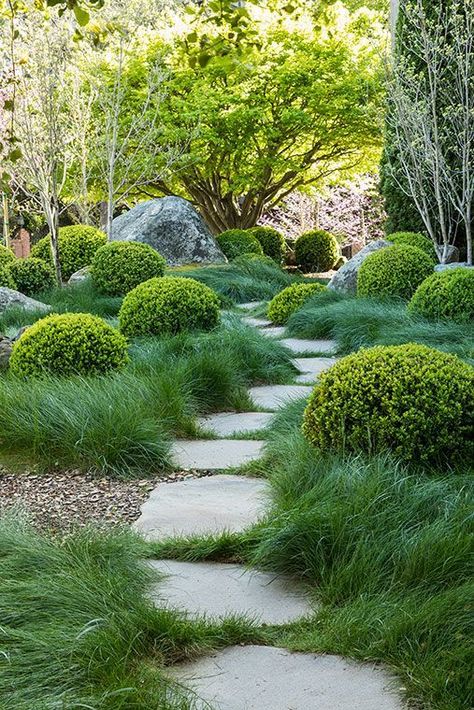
78, 277
14, 299
345, 280
172, 226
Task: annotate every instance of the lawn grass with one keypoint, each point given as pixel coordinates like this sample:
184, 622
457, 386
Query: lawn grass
358, 322
121, 424
79, 632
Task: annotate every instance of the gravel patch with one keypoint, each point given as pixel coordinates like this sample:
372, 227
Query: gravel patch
60, 501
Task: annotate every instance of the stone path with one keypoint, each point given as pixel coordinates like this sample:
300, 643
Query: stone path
249, 677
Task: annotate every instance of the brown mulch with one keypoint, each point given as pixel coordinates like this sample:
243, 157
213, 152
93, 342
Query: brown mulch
60, 501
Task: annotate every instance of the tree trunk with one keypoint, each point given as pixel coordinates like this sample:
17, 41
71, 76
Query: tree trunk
6, 220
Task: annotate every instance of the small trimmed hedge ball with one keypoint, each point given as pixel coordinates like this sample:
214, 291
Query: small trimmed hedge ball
169, 305
393, 272
291, 299
117, 267
236, 242
414, 239
32, 275
6, 256
446, 294
6, 279
77, 246
411, 400
316, 251
271, 241
68, 344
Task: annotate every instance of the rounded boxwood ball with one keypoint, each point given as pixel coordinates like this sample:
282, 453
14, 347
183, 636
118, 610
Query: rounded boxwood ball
77, 245
290, 300
271, 241
168, 305
235, 242
6, 256
68, 344
393, 272
6, 279
411, 400
414, 239
117, 267
32, 275
316, 251
446, 294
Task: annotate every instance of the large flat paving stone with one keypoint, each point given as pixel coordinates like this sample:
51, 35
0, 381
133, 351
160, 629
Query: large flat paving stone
275, 396
202, 454
202, 506
311, 367
227, 423
257, 322
266, 678
299, 345
250, 305
274, 332
219, 590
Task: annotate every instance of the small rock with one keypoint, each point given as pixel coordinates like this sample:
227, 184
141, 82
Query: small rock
80, 276
10, 298
5, 352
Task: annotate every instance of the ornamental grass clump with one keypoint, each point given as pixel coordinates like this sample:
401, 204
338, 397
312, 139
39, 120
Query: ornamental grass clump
393, 272
316, 251
446, 294
77, 246
236, 242
272, 242
68, 344
291, 299
32, 275
411, 400
169, 305
414, 239
117, 267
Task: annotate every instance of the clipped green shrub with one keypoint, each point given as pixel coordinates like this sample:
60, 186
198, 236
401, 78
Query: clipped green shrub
169, 305
77, 246
272, 242
446, 294
117, 267
412, 400
414, 239
32, 275
68, 344
6, 279
6, 256
291, 299
393, 272
236, 242
316, 251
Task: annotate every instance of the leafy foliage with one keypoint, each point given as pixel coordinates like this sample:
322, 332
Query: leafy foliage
77, 246
316, 251
288, 301
6, 279
117, 267
68, 344
271, 241
237, 242
414, 239
32, 275
6, 256
392, 399
168, 305
393, 272
446, 294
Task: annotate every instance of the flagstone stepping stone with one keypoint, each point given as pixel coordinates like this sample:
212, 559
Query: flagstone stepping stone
273, 397
257, 322
298, 345
227, 423
219, 590
212, 455
311, 367
203, 506
267, 678
250, 305
275, 332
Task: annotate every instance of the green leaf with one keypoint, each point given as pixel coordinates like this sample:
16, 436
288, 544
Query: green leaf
82, 16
